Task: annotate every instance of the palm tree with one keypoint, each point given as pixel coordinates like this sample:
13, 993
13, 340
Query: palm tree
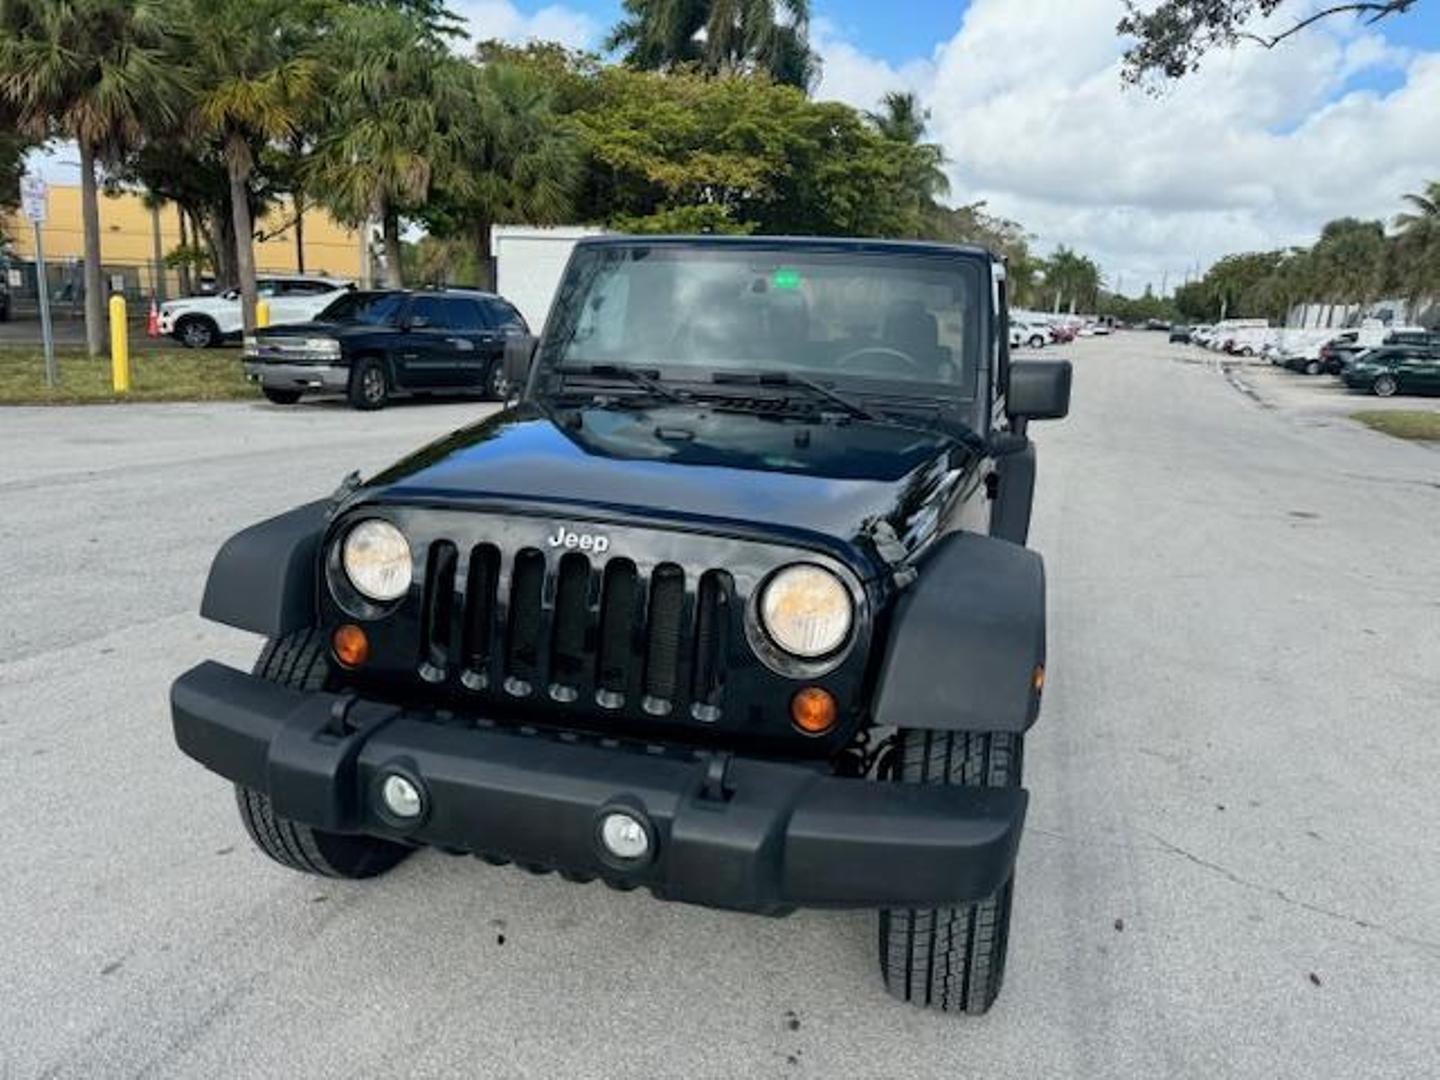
390, 129
901, 120
1418, 242
721, 36
519, 164
95, 71
255, 74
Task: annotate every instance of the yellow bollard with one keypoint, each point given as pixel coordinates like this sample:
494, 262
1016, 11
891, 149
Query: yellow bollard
262, 314
119, 345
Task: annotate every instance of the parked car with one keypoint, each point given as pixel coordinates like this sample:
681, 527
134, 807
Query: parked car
376, 344
1062, 333
1395, 369
1426, 339
727, 608
198, 322
1029, 335
4, 293
1180, 335
1333, 355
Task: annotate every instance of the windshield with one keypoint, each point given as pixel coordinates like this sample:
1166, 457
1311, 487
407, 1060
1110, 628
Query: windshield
369, 308
898, 323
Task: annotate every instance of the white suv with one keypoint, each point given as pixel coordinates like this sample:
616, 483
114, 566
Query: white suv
199, 322
1031, 335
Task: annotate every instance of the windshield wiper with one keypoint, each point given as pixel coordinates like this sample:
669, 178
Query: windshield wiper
643, 379
789, 379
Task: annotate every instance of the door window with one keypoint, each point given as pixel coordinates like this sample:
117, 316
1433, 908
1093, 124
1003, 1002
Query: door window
461, 314
427, 312
505, 318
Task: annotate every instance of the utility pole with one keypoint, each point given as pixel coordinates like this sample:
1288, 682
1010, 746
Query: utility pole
157, 284
1164, 282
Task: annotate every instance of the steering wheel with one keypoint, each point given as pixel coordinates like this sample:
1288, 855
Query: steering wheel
846, 362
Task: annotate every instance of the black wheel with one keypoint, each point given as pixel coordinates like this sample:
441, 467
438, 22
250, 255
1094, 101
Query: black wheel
951, 959
299, 662
369, 388
1385, 386
497, 386
1312, 367
197, 332
280, 397
1037, 342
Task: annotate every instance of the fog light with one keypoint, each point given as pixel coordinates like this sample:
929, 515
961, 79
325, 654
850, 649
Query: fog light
624, 836
402, 798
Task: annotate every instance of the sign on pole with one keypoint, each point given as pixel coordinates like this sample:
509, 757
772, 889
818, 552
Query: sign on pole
32, 198
32, 204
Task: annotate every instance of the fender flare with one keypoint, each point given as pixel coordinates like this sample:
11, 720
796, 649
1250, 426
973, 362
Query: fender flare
966, 648
263, 579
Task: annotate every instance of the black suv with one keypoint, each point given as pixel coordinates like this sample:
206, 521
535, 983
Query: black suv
734, 605
375, 344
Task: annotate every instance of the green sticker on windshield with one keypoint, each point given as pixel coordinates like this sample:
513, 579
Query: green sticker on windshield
786, 278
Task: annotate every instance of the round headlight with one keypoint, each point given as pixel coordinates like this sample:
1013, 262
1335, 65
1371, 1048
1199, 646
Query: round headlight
806, 610
377, 560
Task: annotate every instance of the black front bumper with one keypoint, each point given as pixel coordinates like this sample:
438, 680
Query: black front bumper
741, 833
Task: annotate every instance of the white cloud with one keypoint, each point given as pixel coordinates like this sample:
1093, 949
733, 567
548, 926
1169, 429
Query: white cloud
501, 19
1257, 150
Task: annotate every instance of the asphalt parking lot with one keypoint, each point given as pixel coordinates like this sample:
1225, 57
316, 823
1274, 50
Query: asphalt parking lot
1231, 866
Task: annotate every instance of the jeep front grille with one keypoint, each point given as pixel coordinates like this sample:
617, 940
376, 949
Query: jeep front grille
577, 629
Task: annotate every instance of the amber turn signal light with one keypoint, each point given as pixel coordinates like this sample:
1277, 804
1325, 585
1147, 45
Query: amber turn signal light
351, 646
1037, 680
813, 710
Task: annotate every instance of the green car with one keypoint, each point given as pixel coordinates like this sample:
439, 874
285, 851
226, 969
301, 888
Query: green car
1395, 369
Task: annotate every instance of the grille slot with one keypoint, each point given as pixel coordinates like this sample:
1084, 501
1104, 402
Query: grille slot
479, 626
712, 625
568, 653
662, 638
523, 655
617, 632
437, 616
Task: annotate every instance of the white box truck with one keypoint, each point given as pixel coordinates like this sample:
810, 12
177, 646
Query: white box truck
528, 263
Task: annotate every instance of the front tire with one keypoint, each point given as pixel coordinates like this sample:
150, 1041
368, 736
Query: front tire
197, 332
951, 959
1312, 367
497, 386
1037, 342
299, 662
1385, 386
280, 397
369, 388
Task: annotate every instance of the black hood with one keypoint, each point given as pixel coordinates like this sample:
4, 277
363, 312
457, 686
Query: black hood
821, 481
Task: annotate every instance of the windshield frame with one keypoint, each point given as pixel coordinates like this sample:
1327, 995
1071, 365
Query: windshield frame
969, 398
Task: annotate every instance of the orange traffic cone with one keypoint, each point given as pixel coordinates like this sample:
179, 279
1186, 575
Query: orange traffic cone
152, 324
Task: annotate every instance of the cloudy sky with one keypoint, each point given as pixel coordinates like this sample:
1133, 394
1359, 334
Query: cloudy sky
1256, 151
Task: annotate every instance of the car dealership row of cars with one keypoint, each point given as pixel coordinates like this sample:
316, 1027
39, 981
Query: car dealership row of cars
1380, 360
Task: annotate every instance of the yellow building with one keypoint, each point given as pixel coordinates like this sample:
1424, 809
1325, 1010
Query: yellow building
127, 239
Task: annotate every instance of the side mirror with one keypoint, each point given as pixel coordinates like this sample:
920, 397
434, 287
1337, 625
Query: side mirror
416, 322
1039, 390
519, 354
230, 294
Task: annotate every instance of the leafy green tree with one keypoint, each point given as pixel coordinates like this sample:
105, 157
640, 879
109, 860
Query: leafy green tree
395, 102
903, 122
95, 71
517, 161
721, 37
1071, 280
1417, 246
756, 155
255, 71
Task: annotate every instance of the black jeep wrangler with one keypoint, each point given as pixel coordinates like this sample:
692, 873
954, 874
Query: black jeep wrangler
733, 604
